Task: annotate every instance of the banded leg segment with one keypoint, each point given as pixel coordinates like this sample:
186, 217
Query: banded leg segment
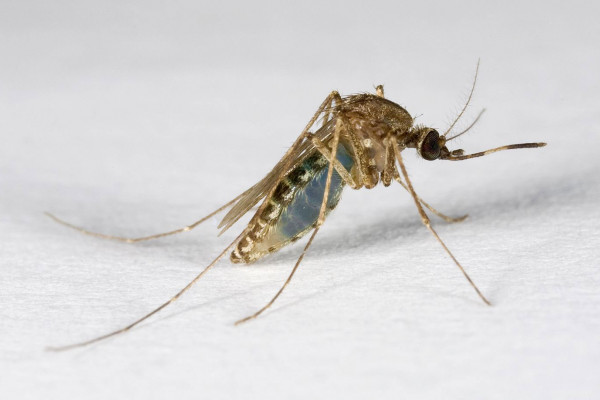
156, 310
328, 110
318, 224
389, 167
430, 208
427, 222
143, 238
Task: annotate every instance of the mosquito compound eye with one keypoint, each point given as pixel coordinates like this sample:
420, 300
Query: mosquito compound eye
430, 146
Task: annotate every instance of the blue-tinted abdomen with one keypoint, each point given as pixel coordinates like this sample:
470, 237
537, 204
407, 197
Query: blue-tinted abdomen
302, 212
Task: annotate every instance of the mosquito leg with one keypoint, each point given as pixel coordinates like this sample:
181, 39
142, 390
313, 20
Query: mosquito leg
358, 150
328, 110
430, 208
360, 156
389, 166
427, 223
156, 310
390, 170
336, 140
318, 224
341, 170
140, 239
365, 175
367, 171
287, 281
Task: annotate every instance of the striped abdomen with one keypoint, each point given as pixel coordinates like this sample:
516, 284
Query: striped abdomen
294, 208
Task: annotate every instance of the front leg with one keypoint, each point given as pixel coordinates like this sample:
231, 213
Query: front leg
427, 222
389, 167
328, 110
426, 205
366, 168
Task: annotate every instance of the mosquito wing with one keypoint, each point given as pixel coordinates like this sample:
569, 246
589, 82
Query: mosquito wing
259, 191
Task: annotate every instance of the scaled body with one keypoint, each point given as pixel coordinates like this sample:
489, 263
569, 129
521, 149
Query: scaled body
293, 208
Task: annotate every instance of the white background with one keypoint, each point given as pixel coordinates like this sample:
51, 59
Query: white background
137, 118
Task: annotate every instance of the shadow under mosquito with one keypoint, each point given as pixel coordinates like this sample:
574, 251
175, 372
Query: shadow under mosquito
408, 228
196, 307
542, 196
411, 231
426, 292
168, 316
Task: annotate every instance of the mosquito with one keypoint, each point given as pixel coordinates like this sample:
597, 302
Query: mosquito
359, 143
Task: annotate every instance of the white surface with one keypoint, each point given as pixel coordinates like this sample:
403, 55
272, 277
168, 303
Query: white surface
135, 119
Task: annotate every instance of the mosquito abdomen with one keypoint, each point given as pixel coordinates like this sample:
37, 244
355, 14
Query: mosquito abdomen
294, 207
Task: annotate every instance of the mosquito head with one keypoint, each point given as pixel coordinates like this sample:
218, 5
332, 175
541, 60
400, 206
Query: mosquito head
430, 145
